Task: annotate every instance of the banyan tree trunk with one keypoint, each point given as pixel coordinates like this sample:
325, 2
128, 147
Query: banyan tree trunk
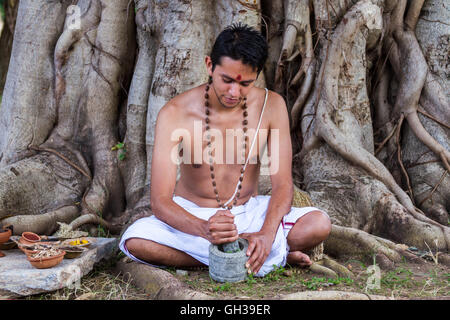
6, 38
366, 85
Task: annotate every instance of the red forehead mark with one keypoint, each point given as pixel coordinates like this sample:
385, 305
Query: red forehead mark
239, 77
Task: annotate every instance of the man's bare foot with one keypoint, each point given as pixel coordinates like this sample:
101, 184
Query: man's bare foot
298, 258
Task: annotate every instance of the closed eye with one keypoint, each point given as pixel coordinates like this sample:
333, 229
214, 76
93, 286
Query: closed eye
244, 83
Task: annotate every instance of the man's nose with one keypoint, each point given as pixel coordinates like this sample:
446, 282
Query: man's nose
234, 89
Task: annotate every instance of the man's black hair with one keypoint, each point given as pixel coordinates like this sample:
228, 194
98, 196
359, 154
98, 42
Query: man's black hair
240, 42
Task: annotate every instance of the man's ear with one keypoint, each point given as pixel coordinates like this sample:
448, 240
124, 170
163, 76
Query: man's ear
208, 63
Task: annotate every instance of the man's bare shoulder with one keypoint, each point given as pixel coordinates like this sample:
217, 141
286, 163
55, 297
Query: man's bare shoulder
181, 105
276, 110
275, 102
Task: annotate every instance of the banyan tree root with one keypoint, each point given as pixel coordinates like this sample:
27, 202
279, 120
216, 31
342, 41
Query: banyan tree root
46, 223
318, 268
66, 231
93, 219
329, 267
417, 88
297, 41
352, 242
106, 72
68, 38
275, 26
133, 167
336, 267
408, 60
383, 121
141, 20
322, 264
70, 230
364, 13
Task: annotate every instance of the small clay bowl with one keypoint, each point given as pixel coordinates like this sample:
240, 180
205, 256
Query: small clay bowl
5, 234
47, 262
8, 245
29, 238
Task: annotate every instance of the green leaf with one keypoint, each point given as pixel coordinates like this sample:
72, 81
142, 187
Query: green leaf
119, 145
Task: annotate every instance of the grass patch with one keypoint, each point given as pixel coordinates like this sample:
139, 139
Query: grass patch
279, 281
316, 282
398, 278
100, 284
404, 282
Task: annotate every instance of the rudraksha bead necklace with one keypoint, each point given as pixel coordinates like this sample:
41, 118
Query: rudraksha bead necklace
208, 138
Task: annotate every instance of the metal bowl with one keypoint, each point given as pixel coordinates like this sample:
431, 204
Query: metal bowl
73, 253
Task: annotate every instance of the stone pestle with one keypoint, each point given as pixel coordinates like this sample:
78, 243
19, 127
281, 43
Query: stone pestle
231, 247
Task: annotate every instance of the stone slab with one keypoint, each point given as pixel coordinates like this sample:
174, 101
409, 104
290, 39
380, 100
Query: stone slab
19, 278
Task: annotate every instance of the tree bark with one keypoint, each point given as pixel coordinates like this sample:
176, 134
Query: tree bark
6, 39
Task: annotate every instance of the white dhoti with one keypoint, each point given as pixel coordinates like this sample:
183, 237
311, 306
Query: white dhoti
249, 218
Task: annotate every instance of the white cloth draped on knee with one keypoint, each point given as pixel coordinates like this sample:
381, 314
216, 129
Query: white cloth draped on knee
249, 218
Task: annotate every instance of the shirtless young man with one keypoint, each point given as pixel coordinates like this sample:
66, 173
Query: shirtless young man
187, 216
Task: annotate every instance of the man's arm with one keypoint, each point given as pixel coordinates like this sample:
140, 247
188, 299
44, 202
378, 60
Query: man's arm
280, 167
218, 229
280, 153
163, 176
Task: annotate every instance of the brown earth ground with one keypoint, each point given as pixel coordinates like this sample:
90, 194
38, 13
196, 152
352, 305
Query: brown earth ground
405, 280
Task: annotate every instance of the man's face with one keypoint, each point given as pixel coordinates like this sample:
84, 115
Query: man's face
232, 80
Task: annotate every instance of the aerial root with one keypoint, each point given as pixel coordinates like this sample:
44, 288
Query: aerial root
406, 57
44, 224
65, 43
309, 73
297, 41
317, 267
337, 267
141, 20
61, 156
93, 219
345, 241
325, 127
330, 268
350, 241
94, 198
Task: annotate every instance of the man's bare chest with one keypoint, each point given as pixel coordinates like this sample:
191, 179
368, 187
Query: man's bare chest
226, 142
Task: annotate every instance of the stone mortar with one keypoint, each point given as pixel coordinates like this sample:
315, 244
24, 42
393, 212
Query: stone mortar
228, 267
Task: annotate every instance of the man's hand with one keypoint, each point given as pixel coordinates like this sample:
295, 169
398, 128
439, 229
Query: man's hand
259, 246
220, 228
